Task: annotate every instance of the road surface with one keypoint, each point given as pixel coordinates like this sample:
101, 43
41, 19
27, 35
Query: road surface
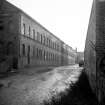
39, 88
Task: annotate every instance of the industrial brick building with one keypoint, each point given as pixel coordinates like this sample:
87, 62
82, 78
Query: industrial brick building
25, 42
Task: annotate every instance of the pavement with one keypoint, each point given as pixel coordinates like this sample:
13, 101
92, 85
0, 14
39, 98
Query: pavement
26, 71
35, 88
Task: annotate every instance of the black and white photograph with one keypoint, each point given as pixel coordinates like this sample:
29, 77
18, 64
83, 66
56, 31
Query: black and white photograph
52, 52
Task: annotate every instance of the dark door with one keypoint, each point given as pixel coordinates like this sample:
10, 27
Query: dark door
28, 55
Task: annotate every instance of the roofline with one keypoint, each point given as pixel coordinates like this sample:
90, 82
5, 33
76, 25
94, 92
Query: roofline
20, 10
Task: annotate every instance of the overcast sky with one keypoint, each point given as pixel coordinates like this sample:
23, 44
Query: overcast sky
67, 19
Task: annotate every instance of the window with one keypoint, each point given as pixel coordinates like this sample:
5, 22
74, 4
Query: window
23, 49
1, 25
33, 51
37, 54
9, 48
24, 27
38, 36
51, 56
53, 45
41, 38
44, 55
58, 47
29, 31
54, 57
33, 34
44, 39
40, 54
47, 41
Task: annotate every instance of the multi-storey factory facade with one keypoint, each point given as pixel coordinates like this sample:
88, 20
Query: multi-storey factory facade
23, 41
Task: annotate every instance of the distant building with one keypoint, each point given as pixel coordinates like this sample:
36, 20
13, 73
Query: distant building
80, 56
